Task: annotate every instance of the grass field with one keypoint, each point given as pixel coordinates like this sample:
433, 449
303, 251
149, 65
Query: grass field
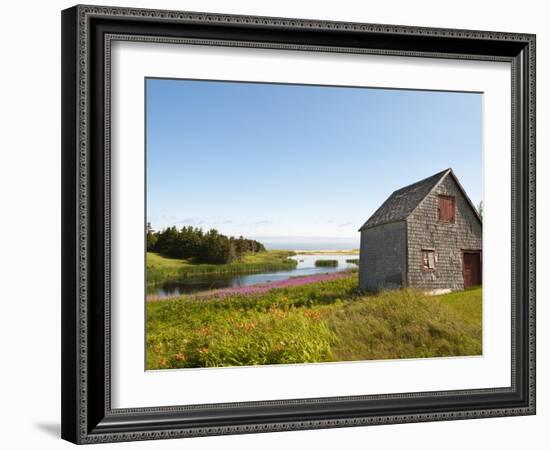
319, 322
161, 268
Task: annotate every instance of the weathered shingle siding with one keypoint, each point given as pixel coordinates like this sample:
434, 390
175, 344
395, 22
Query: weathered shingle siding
383, 256
447, 239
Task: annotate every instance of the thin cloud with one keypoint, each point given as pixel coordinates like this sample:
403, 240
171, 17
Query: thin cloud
190, 222
345, 224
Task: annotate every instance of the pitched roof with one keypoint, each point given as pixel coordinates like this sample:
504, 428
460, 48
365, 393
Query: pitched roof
402, 202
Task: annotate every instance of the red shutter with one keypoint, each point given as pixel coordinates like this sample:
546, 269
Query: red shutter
446, 208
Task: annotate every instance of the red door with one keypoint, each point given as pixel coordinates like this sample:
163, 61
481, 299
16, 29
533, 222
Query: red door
472, 269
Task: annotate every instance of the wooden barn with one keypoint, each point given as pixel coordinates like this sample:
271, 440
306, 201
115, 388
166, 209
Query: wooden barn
426, 235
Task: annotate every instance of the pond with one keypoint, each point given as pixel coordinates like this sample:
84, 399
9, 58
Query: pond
306, 266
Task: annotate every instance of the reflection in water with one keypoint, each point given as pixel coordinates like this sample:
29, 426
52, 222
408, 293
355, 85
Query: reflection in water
306, 266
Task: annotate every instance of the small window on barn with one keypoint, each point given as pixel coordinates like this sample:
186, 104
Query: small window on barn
446, 209
428, 260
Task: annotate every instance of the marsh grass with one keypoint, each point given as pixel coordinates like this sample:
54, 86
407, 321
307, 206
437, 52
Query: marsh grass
326, 263
320, 322
161, 268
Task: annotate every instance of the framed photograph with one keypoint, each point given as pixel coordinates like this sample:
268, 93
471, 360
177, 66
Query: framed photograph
277, 224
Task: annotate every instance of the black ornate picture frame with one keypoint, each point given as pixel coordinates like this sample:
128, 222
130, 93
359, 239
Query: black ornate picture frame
87, 33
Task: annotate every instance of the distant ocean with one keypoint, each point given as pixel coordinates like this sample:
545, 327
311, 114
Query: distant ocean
312, 245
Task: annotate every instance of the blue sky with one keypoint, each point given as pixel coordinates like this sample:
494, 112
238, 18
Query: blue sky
287, 163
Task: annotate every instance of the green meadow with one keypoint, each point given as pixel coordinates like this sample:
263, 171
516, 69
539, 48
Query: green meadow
319, 322
162, 268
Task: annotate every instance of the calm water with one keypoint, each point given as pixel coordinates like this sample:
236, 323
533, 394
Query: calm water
306, 266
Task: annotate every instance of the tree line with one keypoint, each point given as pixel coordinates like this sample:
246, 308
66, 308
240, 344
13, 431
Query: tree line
210, 247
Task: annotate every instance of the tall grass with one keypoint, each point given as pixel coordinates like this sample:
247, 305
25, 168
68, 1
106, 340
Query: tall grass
407, 324
320, 322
